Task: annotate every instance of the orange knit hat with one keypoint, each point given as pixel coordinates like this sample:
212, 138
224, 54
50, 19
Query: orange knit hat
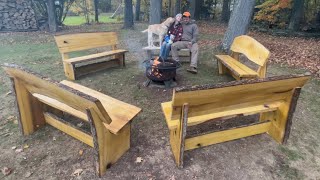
186, 14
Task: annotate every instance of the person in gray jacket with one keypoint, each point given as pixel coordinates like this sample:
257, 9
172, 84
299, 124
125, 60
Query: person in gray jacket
189, 40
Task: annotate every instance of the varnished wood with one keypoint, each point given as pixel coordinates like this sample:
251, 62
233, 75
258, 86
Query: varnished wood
253, 50
226, 135
109, 118
85, 41
81, 136
273, 98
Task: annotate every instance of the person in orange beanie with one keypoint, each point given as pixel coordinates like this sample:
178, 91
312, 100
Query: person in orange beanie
188, 40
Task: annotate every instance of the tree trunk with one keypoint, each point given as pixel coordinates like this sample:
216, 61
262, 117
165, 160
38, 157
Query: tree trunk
195, 8
225, 14
239, 22
96, 12
52, 21
155, 11
108, 5
138, 3
177, 8
128, 15
296, 15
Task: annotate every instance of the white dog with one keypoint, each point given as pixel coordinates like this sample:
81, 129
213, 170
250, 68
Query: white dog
158, 29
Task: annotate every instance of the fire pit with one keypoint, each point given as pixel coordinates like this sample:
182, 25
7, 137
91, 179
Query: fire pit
160, 71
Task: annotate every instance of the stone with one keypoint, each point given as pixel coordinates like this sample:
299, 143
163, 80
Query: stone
5, 15
11, 5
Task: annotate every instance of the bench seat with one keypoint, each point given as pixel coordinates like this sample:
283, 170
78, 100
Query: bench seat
195, 118
114, 107
64, 105
239, 69
271, 99
95, 56
69, 43
252, 50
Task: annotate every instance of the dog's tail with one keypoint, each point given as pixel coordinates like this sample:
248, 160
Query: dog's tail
145, 31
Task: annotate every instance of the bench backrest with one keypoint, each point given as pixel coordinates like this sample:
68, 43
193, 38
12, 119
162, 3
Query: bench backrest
36, 84
208, 98
83, 41
251, 48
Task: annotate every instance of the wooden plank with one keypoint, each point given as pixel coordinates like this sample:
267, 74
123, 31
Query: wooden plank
182, 134
292, 109
196, 116
120, 112
91, 57
226, 135
84, 41
237, 67
223, 92
24, 103
251, 48
95, 67
83, 137
110, 146
61, 106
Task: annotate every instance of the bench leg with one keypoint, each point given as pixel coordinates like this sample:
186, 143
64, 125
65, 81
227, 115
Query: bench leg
282, 118
108, 146
30, 115
69, 70
222, 68
177, 137
121, 58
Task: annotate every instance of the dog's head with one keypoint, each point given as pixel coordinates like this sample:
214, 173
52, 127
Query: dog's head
168, 21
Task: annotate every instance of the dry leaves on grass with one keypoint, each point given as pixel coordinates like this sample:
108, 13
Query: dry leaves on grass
6, 171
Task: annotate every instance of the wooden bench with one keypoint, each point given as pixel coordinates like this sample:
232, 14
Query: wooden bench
253, 50
184, 54
78, 66
274, 98
41, 101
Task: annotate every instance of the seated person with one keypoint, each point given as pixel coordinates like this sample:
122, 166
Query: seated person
174, 34
188, 40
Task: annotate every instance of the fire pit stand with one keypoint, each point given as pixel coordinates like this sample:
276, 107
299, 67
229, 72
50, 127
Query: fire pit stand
161, 72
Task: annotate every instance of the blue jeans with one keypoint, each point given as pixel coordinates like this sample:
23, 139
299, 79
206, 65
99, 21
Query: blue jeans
165, 50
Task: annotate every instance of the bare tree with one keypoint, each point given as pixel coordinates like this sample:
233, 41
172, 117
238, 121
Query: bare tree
177, 8
296, 15
155, 11
225, 15
96, 12
138, 3
128, 15
51, 16
239, 22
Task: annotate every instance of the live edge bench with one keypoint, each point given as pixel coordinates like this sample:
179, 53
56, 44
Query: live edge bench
41, 101
252, 50
78, 66
274, 98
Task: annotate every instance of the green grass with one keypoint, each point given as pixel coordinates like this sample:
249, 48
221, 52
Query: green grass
79, 20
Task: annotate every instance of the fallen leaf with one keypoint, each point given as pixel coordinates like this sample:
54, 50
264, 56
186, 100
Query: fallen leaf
28, 174
15, 121
54, 138
6, 171
139, 160
8, 93
26, 146
10, 117
77, 172
19, 150
80, 124
80, 152
14, 147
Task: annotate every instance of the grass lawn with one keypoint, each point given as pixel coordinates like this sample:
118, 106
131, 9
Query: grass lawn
79, 20
51, 154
